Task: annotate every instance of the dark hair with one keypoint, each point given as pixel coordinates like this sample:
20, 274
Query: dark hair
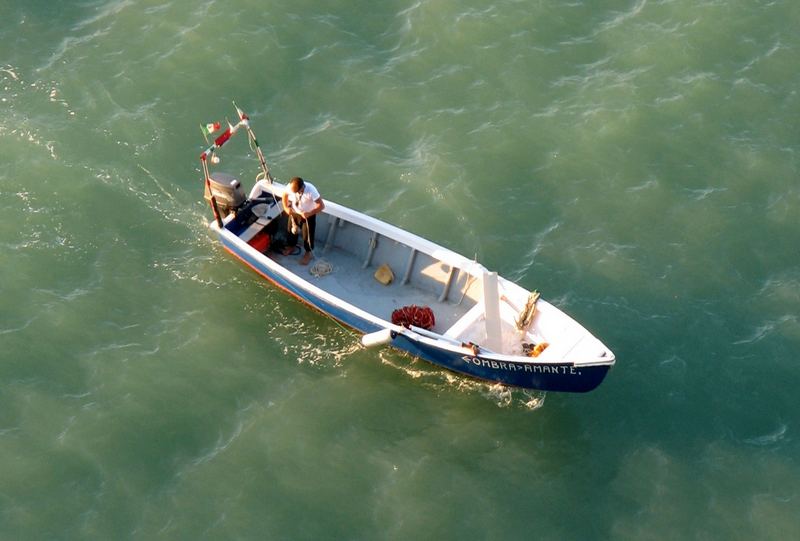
297, 184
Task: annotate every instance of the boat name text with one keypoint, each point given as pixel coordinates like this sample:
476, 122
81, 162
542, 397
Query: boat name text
514, 367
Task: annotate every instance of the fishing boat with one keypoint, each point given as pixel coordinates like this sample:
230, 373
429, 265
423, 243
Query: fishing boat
399, 289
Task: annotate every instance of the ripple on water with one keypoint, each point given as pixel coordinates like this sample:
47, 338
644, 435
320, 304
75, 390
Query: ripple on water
439, 379
769, 438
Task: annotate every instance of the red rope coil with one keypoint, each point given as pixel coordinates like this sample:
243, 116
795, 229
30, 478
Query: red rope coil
419, 316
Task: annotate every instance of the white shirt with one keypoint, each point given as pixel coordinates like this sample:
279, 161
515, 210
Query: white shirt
305, 201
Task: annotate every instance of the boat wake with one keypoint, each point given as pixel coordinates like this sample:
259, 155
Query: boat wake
439, 380
324, 347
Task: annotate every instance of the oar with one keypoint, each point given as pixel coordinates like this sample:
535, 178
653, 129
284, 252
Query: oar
384, 336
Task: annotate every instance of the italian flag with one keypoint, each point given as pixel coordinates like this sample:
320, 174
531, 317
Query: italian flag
210, 128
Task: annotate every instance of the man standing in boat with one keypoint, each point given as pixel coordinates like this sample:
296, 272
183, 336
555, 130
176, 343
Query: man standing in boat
302, 203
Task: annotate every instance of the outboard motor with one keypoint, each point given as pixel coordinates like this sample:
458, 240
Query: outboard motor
227, 190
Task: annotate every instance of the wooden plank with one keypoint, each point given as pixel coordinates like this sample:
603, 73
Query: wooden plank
373, 242
409, 266
448, 284
491, 302
331, 235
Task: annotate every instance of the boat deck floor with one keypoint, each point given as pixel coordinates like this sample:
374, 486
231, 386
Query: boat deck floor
356, 285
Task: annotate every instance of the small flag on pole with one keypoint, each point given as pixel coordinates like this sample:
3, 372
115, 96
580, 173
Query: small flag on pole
210, 128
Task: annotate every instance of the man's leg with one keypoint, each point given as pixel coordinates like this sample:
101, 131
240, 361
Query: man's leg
291, 235
309, 230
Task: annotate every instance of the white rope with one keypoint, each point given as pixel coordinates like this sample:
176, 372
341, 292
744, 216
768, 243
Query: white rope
526, 316
321, 268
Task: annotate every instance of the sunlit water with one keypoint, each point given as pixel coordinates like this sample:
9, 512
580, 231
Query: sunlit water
636, 161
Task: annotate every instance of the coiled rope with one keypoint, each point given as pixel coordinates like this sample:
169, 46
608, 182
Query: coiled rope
321, 268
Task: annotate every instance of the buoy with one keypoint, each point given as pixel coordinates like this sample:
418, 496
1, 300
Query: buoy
377, 338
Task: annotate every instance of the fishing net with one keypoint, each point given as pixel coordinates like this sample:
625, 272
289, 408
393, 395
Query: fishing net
419, 316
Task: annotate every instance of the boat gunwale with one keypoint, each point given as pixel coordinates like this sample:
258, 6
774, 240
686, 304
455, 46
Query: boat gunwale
412, 240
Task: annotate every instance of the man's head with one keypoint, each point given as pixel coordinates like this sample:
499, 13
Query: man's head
297, 185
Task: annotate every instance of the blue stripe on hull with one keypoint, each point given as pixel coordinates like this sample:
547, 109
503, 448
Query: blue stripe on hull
543, 376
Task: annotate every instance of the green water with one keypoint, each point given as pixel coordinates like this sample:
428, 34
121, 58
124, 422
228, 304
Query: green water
636, 161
